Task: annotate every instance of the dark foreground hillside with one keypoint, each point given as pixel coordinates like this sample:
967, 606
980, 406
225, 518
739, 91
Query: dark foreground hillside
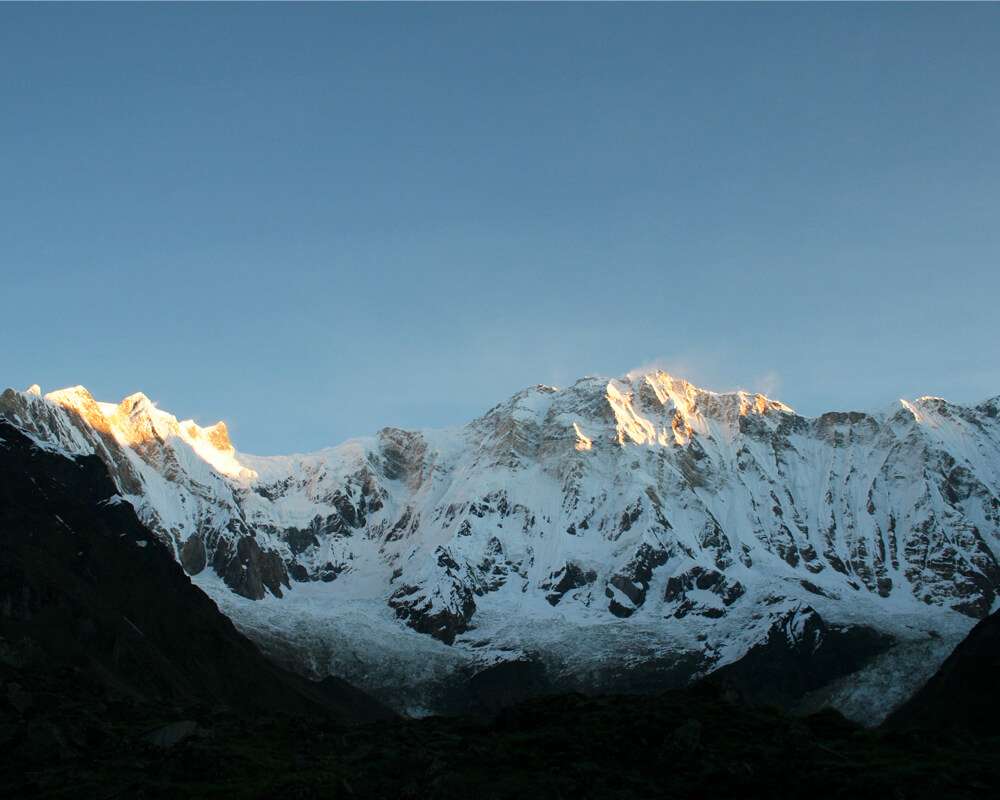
963, 695
692, 743
120, 679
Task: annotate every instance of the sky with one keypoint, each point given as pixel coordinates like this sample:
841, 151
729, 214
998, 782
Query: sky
313, 221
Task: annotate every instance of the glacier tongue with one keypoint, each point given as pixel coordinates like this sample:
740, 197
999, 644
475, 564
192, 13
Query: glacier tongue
597, 528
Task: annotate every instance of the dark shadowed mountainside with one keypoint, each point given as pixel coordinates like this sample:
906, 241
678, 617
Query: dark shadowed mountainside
962, 695
86, 588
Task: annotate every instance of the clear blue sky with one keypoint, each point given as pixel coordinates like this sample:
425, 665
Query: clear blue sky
313, 221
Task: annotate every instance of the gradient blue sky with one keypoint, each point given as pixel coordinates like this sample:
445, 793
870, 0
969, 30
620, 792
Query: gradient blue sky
313, 221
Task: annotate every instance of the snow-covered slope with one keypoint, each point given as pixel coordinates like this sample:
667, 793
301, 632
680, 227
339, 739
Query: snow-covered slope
608, 526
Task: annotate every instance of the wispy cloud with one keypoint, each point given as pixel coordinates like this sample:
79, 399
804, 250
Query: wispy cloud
768, 384
679, 366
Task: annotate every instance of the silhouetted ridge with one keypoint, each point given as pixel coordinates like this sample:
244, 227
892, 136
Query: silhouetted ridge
85, 587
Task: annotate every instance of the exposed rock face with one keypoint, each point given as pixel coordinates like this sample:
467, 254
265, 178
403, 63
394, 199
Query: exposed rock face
193, 556
443, 613
563, 580
247, 570
644, 505
632, 581
701, 579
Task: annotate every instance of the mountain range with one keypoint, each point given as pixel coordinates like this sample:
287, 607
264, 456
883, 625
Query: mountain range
621, 534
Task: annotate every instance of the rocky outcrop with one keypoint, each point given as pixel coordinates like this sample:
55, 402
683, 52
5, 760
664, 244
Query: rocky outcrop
443, 617
627, 588
723, 591
193, 556
442, 606
568, 577
248, 570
